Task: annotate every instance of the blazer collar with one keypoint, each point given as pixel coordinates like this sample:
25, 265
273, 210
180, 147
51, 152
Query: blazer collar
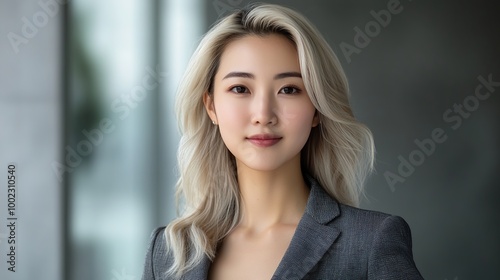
312, 238
320, 205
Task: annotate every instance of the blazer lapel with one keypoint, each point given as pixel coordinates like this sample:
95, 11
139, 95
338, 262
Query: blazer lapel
313, 237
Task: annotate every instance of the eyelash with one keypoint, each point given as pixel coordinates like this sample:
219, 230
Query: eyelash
233, 89
296, 89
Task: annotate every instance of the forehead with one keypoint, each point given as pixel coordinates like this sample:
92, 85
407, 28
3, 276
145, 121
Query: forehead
252, 53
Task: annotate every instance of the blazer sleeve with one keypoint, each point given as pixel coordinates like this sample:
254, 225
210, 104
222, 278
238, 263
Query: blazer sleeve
391, 255
154, 254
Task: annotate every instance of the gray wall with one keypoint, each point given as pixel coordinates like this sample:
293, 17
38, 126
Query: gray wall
405, 82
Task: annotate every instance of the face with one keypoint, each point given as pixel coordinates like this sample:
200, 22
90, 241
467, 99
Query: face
260, 103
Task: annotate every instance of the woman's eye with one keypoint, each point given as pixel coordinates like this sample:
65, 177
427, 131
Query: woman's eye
290, 90
239, 89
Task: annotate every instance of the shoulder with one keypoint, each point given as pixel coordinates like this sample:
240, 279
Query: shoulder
156, 262
361, 230
354, 219
379, 245
357, 223
368, 244
373, 232
326, 210
157, 242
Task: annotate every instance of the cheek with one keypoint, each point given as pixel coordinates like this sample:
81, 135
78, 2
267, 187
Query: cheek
231, 118
228, 113
298, 115
298, 119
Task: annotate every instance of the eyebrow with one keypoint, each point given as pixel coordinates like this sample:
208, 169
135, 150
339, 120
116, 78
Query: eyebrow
251, 76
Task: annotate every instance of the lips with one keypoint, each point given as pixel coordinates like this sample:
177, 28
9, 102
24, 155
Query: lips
264, 140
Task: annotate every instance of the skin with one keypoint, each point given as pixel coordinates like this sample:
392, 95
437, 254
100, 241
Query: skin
258, 90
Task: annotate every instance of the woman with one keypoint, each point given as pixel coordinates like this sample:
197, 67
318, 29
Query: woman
272, 163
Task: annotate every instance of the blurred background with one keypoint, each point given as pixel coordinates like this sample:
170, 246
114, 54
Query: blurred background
86, 115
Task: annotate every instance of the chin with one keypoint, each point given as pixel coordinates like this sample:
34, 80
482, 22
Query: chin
264, 166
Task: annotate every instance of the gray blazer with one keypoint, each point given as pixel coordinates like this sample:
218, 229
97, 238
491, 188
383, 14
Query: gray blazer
332, 241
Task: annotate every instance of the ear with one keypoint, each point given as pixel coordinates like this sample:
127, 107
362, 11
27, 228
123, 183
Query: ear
316, 119
208, 101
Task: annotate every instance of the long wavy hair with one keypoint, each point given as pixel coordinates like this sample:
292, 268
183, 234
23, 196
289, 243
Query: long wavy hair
339, 153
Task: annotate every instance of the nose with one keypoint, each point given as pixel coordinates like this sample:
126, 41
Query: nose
264, 109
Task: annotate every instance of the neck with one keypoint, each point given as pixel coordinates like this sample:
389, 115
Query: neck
272, 197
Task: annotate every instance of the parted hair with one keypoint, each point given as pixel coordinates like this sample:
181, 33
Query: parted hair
339, 152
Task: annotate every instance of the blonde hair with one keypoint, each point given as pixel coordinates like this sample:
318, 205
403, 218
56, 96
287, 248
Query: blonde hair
339, 152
